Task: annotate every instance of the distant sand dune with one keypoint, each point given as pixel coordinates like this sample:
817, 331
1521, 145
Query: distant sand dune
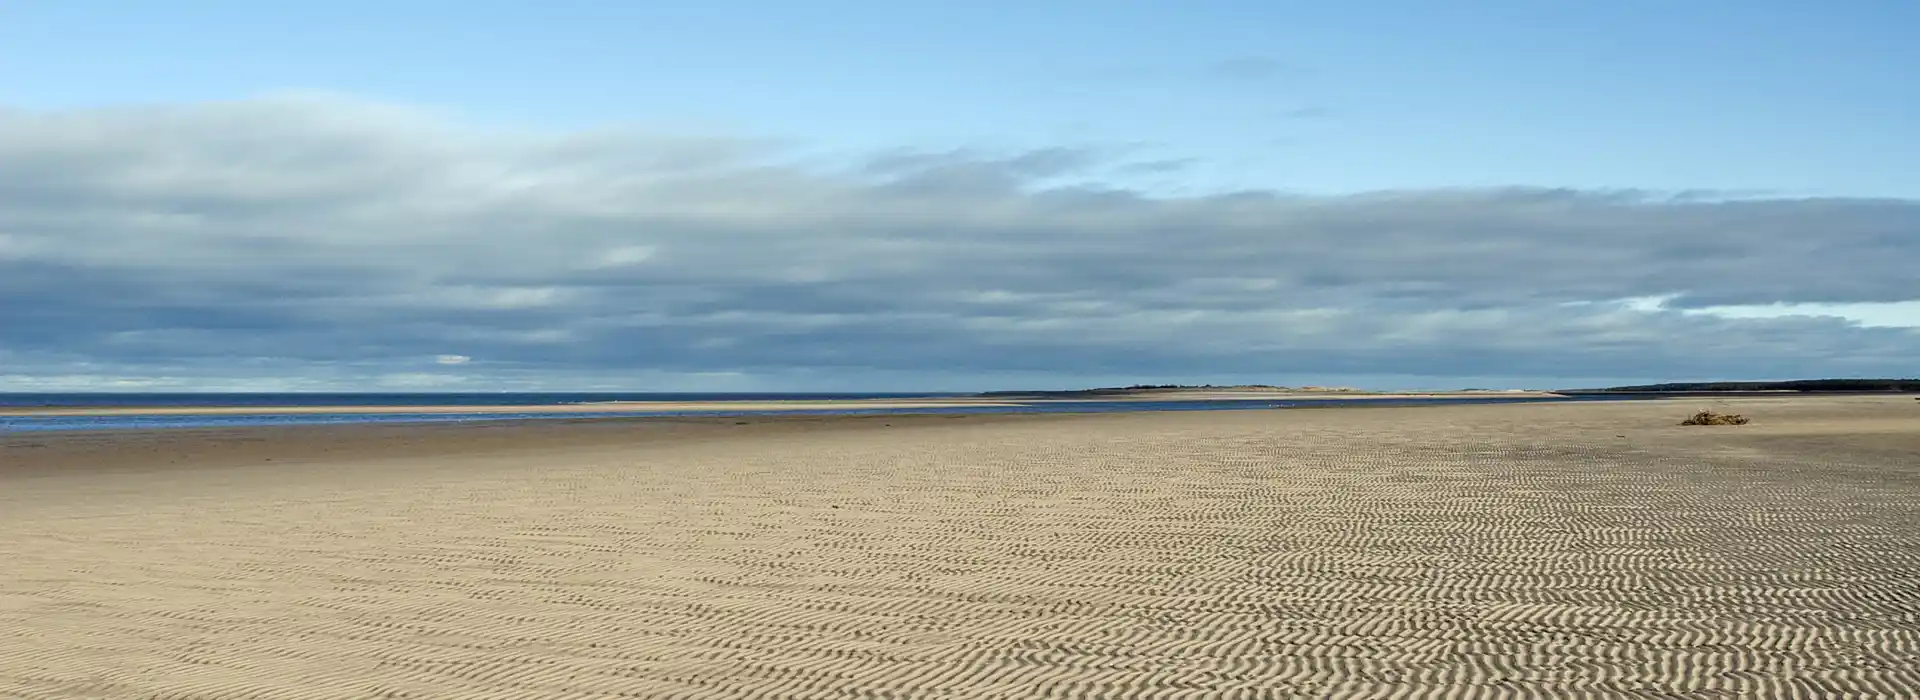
1522, 551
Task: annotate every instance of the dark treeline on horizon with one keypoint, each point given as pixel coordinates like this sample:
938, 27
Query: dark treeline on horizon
1801, 385
1912, 385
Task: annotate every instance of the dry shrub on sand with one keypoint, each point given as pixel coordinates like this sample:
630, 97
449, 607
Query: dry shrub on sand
1711, 418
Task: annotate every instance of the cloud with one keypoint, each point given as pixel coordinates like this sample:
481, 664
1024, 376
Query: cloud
452, 359
314, 241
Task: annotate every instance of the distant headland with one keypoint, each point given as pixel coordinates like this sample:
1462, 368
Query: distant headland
1803, 386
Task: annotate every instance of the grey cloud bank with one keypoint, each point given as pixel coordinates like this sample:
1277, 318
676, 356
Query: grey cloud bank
313, 242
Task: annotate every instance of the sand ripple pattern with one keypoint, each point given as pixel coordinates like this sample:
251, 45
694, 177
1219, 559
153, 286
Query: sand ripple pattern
1470, 552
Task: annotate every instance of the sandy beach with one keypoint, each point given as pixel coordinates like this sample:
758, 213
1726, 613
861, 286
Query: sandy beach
1553, 550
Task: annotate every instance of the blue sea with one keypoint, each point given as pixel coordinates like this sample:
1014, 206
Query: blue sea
158, 400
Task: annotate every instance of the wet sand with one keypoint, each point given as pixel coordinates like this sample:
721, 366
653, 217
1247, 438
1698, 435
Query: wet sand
1522, 551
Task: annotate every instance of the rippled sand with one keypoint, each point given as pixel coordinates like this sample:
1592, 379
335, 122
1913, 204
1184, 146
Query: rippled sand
1523, 551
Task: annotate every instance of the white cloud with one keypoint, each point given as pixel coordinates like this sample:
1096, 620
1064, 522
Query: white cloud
452, 359
339, 241
1896, 314
625, 255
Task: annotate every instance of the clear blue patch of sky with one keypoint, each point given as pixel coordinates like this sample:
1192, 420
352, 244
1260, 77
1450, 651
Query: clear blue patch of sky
1795, 98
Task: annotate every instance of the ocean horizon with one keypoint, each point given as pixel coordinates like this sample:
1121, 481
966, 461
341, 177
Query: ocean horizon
89, 399
266, 400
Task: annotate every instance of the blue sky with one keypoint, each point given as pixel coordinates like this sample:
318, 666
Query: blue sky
1803, 98
1762, 102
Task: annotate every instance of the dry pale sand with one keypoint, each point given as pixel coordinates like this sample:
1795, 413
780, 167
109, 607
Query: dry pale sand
1521, 551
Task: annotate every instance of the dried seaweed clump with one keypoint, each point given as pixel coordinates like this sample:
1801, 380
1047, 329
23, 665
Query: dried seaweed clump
1711, 418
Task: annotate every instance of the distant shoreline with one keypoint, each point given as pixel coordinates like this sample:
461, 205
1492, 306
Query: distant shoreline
1824, 387
722, 406
1251, 392
465, 404
1794, 386
480, 409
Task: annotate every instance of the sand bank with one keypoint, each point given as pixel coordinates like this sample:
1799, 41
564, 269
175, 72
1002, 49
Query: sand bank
1291, 395
1524, 551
